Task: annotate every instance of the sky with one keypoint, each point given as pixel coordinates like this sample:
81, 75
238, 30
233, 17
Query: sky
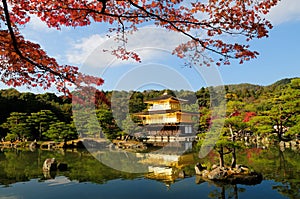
160, 69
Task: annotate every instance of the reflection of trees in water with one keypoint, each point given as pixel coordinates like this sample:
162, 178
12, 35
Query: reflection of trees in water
223, 190
17, 166
286, 170
20, 166
231, 191
280, 166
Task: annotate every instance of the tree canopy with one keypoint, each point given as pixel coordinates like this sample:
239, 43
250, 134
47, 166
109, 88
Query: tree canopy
205, 23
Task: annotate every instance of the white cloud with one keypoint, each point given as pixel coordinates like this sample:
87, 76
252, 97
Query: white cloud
38, 25
81, 49
286, 10
153, 45
148, 42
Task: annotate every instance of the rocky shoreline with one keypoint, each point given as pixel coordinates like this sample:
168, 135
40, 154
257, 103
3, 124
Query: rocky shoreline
129, 145
42, 144
239, 175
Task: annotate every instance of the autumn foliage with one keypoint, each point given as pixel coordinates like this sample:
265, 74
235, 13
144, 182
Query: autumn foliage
205, 23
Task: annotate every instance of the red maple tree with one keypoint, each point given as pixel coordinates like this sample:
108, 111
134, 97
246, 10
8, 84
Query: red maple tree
23, 62
248, 116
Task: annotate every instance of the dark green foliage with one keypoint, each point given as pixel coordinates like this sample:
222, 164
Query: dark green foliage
203, 97
245, 92
136, 102
107, 123
13, 101
279, 84
277, 104
61, 132
17, 126
28, 115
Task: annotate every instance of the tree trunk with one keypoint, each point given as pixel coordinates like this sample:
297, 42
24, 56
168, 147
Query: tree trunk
282, 162
280, 132
282, 138
221, 157
233, 160
235, 189
65, 143
223, 193
231, 131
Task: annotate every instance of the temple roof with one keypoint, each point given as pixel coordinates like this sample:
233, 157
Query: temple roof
165, 97
164, 112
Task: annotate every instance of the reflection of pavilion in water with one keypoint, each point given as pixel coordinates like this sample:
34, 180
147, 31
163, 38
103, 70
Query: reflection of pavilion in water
168, 163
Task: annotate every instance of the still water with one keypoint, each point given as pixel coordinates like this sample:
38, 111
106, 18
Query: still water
21, 176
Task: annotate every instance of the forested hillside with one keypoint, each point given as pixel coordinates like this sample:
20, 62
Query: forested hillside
250, 108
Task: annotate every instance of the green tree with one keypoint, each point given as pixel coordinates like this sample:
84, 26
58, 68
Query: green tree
295, 129
136, 102
80, 118
107, 123
284, 111
17, 126
130, 125
93, 127
261, 125
120, 105
40, 121
233, 127
60, 131
223, 145
204, 120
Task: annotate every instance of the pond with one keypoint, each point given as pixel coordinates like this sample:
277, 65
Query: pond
21, 176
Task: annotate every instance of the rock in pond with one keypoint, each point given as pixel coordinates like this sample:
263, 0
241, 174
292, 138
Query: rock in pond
62, 166
218, 173
50, 164
199, 168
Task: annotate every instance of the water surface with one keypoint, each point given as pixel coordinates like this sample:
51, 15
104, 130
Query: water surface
21, 176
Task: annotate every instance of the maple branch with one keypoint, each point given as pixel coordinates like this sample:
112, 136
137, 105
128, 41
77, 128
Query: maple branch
127, 16
18, 51
123, 30
103, 5
179, 30
209, 26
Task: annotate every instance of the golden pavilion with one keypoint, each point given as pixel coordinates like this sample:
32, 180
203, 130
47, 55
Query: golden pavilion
165, 120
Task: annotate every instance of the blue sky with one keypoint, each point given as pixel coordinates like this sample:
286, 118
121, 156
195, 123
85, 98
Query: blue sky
159, 69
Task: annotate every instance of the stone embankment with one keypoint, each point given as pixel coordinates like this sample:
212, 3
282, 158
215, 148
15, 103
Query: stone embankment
293, 145
42, 144
129, 145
